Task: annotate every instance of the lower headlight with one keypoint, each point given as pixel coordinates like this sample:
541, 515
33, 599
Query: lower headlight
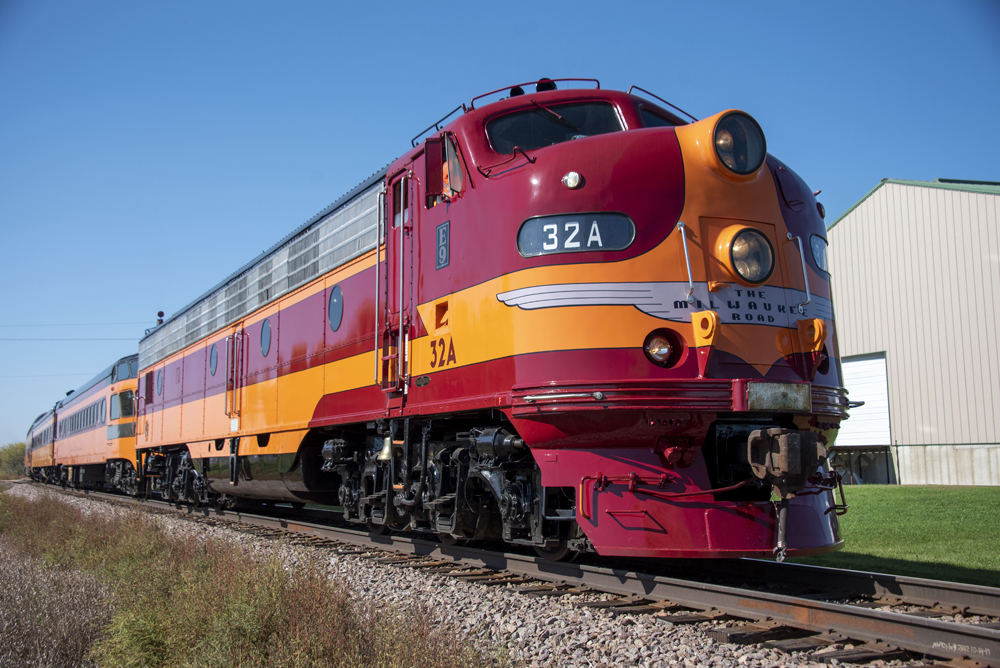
664, 347
659, 349
751, 256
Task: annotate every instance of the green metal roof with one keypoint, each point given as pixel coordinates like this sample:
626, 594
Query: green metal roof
985, 187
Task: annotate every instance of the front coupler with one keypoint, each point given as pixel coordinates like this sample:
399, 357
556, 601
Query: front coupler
786, 458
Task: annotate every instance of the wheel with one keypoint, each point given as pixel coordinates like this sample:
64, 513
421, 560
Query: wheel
562, 552
377, 529
298, 505
450, 541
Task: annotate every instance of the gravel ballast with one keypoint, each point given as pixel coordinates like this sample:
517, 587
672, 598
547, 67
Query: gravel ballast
534, 631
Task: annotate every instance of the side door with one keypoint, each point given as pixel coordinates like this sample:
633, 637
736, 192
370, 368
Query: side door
396, 319
147, 405
236, 355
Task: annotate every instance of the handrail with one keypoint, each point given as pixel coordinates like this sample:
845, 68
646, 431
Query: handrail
805, 274
404, 217
597, 396
436, 126
663, 101
229, 374
687, 260
486, 171
633, 480
139, 400
234, 354
380, 212
240, 369
472, 105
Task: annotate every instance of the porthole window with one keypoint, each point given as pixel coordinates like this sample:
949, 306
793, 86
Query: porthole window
159, 382
335, 311
213, 359
265, 337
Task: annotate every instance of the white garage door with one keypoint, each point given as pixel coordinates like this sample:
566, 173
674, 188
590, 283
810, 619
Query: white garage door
865, 378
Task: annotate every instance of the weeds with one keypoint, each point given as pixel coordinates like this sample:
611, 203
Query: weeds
180, 602
49, 617
12, 461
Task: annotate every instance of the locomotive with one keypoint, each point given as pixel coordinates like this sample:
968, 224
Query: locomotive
568, 319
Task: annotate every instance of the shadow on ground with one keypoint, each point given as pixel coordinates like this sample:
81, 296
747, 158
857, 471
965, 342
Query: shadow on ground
918, 569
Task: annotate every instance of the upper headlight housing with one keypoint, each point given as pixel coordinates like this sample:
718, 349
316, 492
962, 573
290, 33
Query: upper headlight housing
739, 143
751, 256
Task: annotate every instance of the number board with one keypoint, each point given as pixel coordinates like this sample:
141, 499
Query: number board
443, 245
575, 233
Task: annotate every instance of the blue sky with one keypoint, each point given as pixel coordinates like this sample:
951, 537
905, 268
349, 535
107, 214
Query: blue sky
147, 150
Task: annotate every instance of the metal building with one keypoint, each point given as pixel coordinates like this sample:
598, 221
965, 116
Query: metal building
916, 284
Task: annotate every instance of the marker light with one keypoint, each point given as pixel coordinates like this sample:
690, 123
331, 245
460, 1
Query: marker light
572, 180
818, 244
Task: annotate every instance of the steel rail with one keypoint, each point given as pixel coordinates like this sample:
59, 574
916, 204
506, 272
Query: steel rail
882, 587
917, 634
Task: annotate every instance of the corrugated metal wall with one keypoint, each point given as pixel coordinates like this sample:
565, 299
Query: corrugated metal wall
916, 274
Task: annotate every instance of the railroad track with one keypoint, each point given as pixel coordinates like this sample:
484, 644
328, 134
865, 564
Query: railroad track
789, 607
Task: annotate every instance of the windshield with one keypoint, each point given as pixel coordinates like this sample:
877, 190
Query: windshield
551, 124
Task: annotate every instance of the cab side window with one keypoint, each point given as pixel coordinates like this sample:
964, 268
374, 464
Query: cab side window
653, 120
400, 203
454, 177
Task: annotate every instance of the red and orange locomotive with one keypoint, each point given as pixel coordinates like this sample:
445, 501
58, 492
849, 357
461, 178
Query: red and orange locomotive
567, 319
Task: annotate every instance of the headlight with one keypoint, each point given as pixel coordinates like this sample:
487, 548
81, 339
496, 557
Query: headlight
658, 348
818, 244
751, 256
739, 143
664, 347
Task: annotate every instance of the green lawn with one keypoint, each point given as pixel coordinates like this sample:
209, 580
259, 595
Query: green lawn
944, 533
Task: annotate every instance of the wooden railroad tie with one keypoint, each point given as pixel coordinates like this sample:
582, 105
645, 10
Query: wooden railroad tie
556, 590
427, 564
696, 617
759, 632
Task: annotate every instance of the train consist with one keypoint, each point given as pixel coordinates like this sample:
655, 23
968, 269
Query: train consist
88, 437
567, 319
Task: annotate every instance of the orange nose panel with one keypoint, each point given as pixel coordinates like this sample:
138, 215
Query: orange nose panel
754, 344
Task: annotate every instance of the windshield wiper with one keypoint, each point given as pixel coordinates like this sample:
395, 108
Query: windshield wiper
559, 119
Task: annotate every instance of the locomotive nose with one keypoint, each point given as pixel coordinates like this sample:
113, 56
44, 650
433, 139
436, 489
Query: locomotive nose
738, 217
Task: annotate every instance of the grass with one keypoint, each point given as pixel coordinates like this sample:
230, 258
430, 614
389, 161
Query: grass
944, 533
181, 602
